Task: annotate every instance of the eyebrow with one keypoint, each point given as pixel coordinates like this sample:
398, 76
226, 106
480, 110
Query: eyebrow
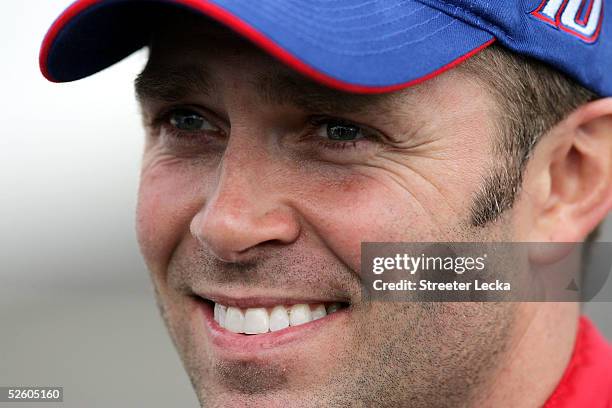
277, 87
171, 84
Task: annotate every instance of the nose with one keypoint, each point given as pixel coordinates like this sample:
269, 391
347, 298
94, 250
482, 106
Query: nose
245, 210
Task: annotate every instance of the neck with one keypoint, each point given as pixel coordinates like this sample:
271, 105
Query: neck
542, 346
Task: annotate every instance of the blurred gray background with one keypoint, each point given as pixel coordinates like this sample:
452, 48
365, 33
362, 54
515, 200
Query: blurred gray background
76, 305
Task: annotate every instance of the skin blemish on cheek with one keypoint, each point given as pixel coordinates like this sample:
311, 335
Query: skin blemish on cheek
354, 185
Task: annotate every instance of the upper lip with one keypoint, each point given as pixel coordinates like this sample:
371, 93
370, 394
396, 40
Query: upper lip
253, 301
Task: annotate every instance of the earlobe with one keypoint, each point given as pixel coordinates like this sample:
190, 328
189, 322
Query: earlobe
580, 174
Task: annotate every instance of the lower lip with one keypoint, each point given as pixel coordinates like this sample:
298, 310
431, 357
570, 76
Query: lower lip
257, 343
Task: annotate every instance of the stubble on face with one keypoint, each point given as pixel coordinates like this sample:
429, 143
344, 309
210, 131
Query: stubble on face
431, 354
387, 355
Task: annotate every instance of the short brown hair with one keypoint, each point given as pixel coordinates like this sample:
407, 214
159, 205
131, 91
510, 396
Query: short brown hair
531, 98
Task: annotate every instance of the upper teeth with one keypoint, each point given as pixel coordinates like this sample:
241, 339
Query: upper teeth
261, 320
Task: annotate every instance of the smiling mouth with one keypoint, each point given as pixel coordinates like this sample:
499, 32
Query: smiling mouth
266, 318
261, 320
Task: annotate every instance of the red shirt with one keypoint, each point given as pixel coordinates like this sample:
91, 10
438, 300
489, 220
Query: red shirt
587, 381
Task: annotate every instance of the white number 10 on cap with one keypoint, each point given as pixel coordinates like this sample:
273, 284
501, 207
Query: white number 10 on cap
581, 18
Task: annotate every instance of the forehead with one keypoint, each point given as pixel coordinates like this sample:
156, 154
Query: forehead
191, 54
183, 33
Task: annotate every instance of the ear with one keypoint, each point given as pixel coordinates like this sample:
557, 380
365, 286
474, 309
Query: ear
572, 175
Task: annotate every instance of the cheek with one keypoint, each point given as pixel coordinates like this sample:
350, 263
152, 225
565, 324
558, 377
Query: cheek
168, 199
363, 209
427, 201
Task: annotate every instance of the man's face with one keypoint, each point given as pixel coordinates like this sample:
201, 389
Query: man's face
257, 190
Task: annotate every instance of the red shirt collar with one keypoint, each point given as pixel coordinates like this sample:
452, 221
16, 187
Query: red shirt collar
587, 381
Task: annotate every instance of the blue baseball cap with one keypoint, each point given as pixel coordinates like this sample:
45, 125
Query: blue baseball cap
361, 46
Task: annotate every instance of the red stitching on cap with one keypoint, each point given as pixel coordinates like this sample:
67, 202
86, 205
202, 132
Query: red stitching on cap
246, 30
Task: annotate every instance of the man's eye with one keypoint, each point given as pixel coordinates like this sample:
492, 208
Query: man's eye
339, 131
190, 121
